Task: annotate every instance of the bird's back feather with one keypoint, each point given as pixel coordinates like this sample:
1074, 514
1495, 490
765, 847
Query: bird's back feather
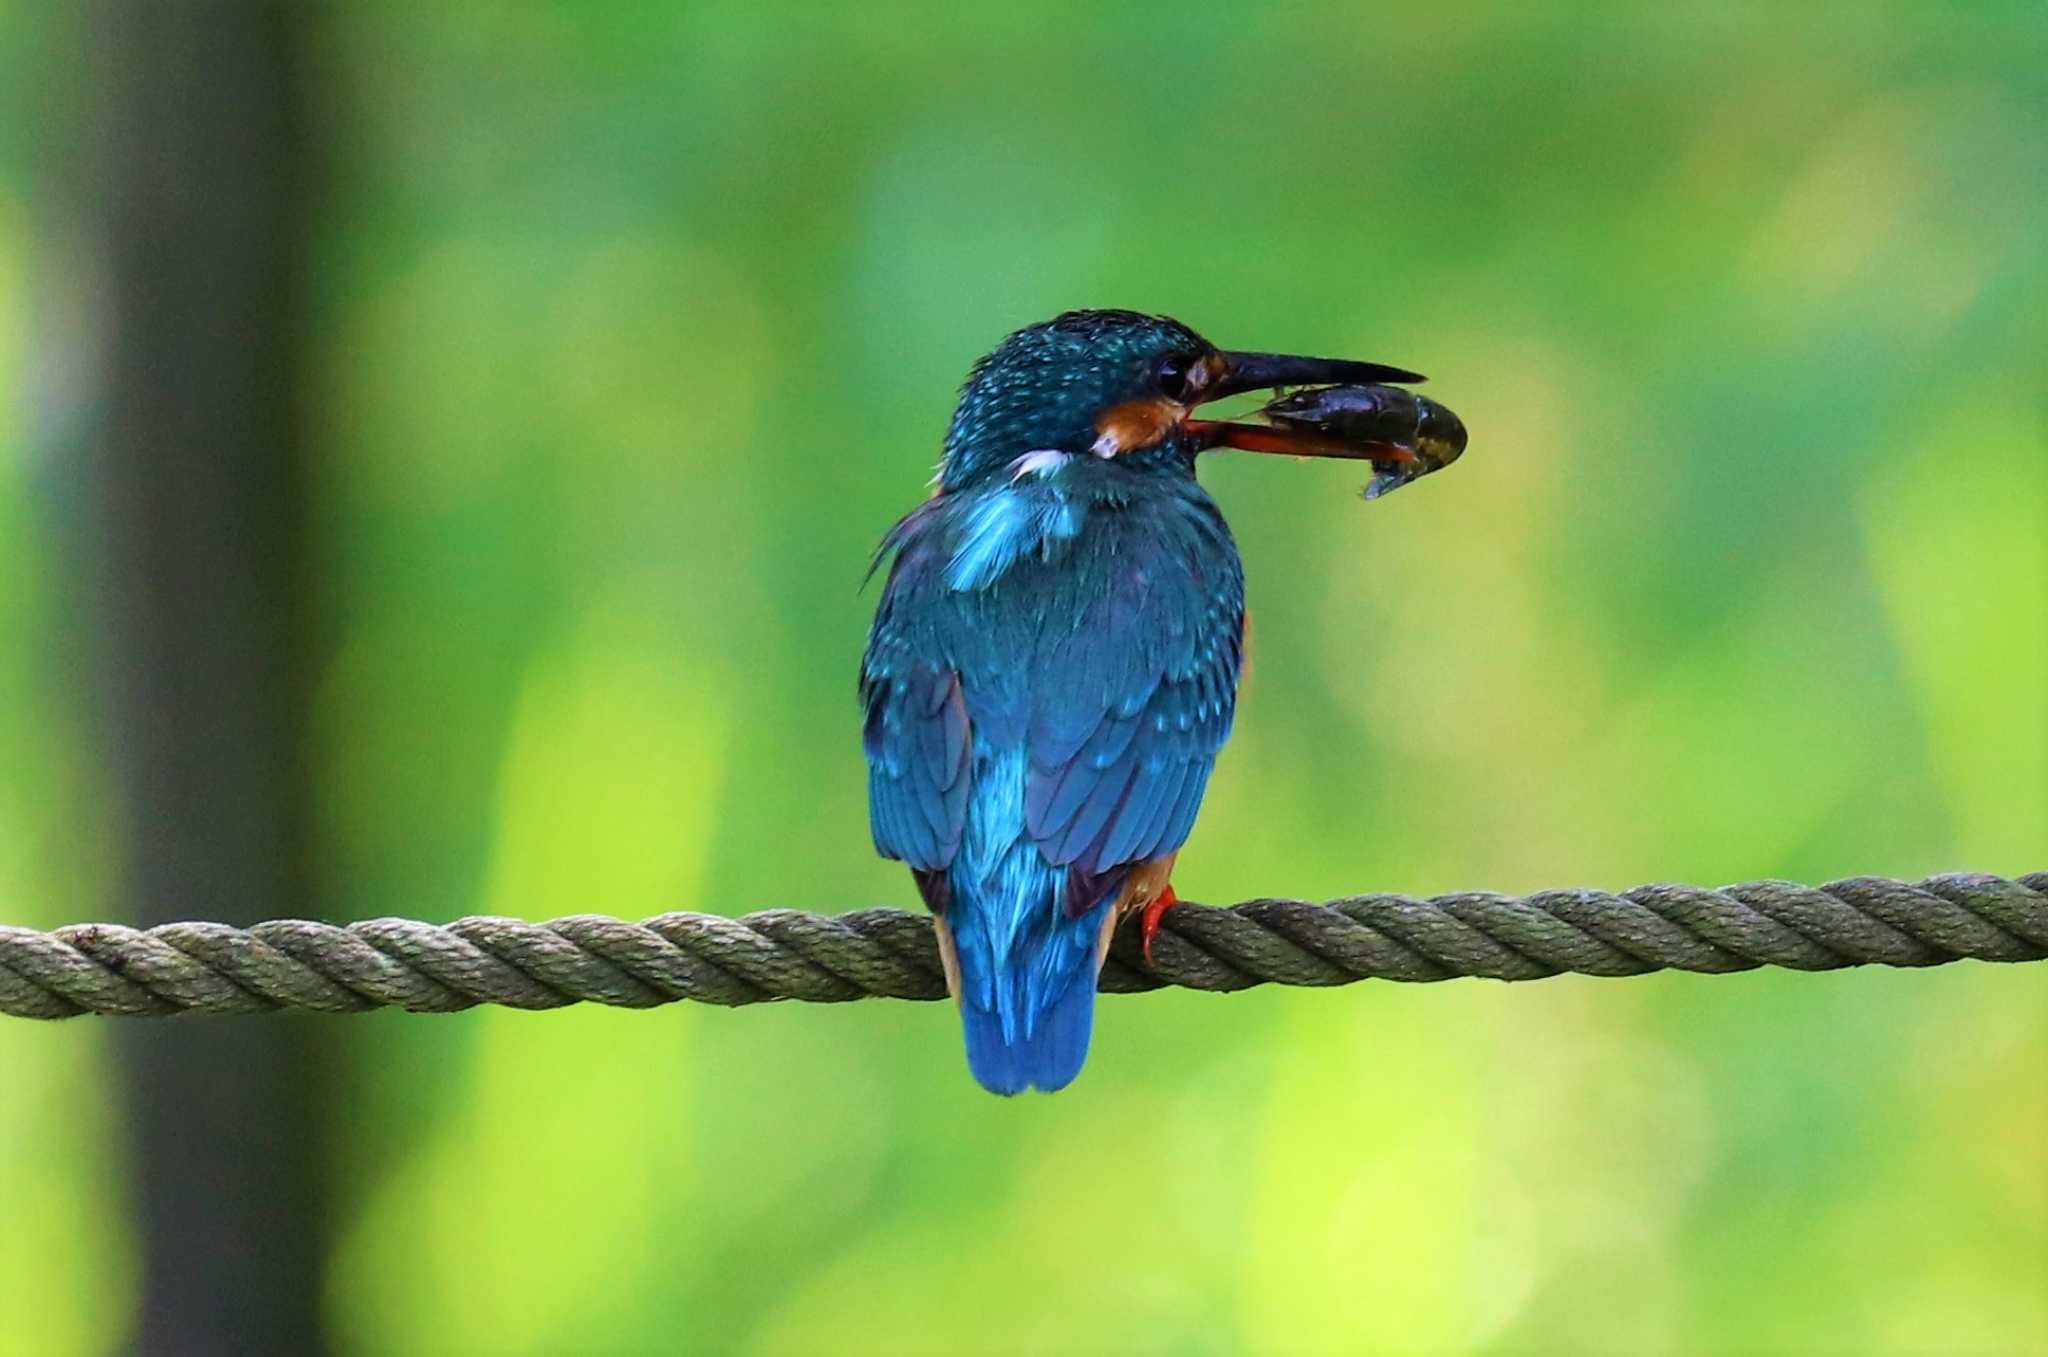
1048, 680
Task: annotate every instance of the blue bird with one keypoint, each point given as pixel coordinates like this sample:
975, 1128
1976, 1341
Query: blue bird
1054, 662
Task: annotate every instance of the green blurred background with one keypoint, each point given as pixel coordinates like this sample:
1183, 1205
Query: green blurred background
631, 329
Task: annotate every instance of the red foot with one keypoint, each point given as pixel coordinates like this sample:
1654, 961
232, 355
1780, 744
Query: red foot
1149, 917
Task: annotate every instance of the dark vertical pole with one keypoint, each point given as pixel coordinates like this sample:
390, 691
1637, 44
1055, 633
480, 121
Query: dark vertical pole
204, 178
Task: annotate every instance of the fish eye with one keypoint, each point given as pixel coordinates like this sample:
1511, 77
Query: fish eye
1172, 375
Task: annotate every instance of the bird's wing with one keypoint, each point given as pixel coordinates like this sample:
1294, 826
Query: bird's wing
916, 735
1131, 702
1115, 666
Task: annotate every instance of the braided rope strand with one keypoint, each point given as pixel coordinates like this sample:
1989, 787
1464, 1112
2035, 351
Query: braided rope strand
787, 954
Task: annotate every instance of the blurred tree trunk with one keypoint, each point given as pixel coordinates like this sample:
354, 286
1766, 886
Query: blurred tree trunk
204, 194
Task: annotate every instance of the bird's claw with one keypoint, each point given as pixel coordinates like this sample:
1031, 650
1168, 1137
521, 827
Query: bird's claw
1149, 917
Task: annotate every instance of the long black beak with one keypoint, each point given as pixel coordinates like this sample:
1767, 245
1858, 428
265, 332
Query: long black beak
1258, 371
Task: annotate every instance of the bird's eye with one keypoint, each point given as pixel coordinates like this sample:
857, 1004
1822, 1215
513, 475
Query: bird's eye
1173, 376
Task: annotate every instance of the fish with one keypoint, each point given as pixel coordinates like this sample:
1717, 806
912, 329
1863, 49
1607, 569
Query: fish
1403, 435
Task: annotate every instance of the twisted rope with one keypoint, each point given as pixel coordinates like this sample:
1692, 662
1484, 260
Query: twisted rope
785, 954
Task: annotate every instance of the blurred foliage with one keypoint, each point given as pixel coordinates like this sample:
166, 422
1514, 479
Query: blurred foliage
637, 324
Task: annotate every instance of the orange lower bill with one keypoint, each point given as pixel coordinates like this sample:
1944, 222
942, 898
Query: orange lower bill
1211, 433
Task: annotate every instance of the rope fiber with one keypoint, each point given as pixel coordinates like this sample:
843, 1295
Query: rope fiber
786, 954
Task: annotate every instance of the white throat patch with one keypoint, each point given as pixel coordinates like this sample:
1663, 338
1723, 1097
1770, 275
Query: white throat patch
1040, 463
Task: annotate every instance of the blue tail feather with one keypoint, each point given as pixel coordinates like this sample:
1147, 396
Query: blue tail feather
1027, 981
1046, 1054
1026, 966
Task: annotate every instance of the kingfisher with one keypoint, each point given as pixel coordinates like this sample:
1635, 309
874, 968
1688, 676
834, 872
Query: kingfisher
1054, 661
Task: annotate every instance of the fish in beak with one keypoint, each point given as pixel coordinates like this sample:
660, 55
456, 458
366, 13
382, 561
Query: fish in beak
1337, 407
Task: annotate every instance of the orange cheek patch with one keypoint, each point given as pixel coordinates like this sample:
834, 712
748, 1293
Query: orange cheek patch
1135, 425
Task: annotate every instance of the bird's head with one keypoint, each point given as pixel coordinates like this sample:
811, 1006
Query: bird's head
1122, 386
